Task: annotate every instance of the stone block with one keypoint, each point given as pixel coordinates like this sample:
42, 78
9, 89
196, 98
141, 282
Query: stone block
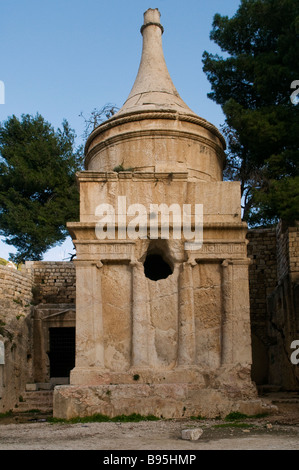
31, 387
192, 434
43, 386
169, 400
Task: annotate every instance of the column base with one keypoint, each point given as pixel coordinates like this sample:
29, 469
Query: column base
235, 378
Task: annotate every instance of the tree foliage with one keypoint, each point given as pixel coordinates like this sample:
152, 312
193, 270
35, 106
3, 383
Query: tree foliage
252, 84
38, 192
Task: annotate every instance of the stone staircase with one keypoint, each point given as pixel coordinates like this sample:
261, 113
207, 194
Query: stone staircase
41, 400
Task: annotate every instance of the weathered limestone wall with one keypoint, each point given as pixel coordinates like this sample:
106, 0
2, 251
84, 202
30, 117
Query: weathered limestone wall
287, 251
16, 333
283, 310
262, 281
283, 327
282, 251
294, 252
261, 250
274, 304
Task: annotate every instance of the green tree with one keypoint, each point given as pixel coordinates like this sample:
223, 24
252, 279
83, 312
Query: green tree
38, 192
252, 83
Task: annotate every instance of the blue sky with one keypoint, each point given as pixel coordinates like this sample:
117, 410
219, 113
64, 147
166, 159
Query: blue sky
63, 57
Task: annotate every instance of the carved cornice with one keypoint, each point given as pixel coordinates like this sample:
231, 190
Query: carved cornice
118, 120
151, 24
103, 176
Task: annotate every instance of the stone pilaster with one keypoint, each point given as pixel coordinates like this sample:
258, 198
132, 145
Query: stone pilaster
89, 317
141, 317
186, 327
235, 316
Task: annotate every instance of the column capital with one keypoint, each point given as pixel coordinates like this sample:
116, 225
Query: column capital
135, 263
98, 264
236, 262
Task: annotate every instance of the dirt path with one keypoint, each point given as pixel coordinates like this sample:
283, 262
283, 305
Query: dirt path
279, 431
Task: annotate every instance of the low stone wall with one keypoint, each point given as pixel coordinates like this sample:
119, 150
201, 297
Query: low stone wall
15, 335
15, 286
54, 282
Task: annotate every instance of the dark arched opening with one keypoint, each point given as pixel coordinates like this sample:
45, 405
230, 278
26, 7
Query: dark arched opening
156, 268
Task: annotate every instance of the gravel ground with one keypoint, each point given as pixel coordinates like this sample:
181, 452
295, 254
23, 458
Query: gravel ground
279, 431
143, 436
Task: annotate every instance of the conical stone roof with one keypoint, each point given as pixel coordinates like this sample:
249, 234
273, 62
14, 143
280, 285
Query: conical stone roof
153, 88
155, 130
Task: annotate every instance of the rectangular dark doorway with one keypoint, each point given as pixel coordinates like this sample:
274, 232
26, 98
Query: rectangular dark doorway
62, 351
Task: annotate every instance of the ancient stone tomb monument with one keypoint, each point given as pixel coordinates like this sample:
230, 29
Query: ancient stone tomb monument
162, 320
